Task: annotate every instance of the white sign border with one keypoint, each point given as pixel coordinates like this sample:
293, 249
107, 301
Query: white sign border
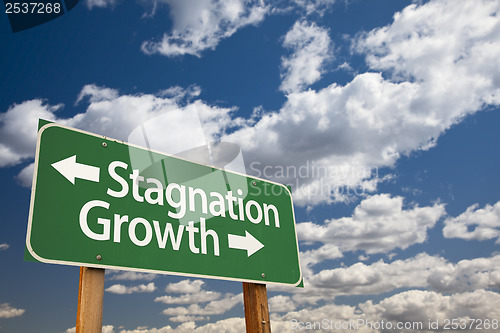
72, 263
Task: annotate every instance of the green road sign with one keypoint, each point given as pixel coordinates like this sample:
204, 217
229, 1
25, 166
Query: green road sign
100, 202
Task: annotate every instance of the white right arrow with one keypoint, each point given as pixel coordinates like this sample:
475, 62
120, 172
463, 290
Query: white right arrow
247, 242
71, 169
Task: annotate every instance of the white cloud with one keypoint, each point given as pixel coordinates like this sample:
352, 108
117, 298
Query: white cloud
130, 276
422, 271
178, 93
4, 246
379, 224
122, 290
216, 307
289, 322
340, 135
315, 6
311, 50
229, 325
475, 224
25, 177
413, 307
439, 41
185, 287
408, 307
96, 94
281, 303
115, 116
479, 273
200, 25
198, 297
192, 293
379, 277
422, 306
18, 128
7, 311
441, 63
100, 3
310, 258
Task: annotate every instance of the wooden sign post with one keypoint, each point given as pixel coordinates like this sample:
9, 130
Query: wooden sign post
90, 298
92, 166
256, 308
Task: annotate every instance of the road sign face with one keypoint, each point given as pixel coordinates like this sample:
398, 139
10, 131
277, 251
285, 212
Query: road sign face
100, 202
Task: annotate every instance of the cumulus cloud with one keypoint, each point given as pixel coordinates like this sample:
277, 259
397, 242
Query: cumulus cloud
413, 308
315, 6
7, 311
195, 312
434, 65
422, 271
479, 273
328, 144
311, 50
129, 275
18, 129
281, 303
378, 277
116, 116
192, 293
200, 297
421, 306
4, 246
460, 41
185, 286
229, 325
96, 94
122, 290
475, 224
379, 224
201, 25
339, 135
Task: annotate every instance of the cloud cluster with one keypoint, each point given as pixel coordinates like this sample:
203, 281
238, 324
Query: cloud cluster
412, 307
379, 224
192, 293
7, 311
434, 65
340, 134
422, 271
116, 116
195, 312
311, 50
122, 290
314, 6
466, 275
229, 325
422, 306
475, 224
201, 25
18, 130
130, 275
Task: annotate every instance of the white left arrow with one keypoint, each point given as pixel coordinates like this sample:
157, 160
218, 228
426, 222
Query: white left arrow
247, 242
71, 169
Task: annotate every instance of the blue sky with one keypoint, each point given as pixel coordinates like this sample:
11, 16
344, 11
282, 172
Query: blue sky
390, 109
